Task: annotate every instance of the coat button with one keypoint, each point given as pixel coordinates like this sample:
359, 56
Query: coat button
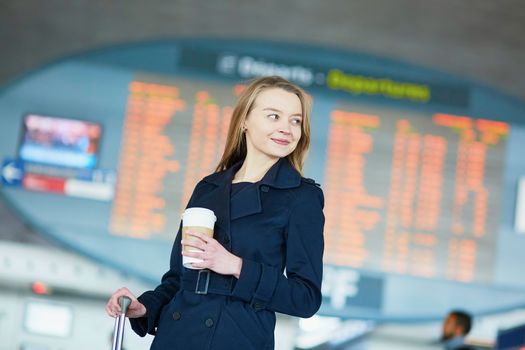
176, 315
265, 188
258, 306
226, 240
209, 323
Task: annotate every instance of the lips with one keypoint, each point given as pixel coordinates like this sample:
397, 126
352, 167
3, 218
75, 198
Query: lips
281, 142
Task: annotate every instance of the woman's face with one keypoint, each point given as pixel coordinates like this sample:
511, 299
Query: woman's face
273, 127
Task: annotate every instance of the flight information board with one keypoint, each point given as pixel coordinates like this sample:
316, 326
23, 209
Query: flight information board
166, 126
412, 194
405, 192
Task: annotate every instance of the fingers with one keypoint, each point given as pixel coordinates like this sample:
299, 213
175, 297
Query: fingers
113, 304
204, 248
194, 243
201, 265
200, 235
199, 241
194, 254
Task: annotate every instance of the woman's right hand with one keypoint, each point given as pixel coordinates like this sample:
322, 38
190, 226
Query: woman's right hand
136, 308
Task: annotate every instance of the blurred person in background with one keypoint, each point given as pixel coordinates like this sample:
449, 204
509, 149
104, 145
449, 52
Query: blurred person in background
266, 253
456, 326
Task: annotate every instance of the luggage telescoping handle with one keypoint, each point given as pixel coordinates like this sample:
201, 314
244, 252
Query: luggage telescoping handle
118, 332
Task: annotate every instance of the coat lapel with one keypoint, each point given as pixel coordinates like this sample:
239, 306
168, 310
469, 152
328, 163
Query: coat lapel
248, 201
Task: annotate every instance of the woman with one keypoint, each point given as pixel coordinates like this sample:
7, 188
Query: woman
266, 253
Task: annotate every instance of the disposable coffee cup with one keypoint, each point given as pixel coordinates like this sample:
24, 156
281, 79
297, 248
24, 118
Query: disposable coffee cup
196, 220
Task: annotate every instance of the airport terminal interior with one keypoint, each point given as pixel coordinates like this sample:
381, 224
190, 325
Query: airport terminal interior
112, 111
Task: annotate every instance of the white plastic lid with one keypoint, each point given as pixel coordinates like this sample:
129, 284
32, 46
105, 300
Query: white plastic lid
199, 217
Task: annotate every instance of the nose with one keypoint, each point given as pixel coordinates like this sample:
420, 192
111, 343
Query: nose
284, 128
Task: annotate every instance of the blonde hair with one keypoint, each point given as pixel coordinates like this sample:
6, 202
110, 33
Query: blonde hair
235, 148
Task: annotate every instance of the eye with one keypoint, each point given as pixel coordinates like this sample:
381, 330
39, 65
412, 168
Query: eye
273, 116
297, 121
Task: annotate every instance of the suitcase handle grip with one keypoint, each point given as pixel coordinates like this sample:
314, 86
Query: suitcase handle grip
124, 304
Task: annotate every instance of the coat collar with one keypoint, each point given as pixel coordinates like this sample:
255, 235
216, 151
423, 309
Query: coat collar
282, 175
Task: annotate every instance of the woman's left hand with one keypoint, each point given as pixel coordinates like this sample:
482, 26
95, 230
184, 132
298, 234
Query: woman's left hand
215, 257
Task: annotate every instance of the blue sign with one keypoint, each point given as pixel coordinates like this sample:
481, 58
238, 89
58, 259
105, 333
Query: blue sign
12, 172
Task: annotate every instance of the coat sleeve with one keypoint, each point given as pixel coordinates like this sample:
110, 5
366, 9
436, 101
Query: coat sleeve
298, 293
155, 300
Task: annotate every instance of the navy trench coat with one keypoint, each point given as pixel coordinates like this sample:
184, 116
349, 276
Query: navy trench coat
276, 227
